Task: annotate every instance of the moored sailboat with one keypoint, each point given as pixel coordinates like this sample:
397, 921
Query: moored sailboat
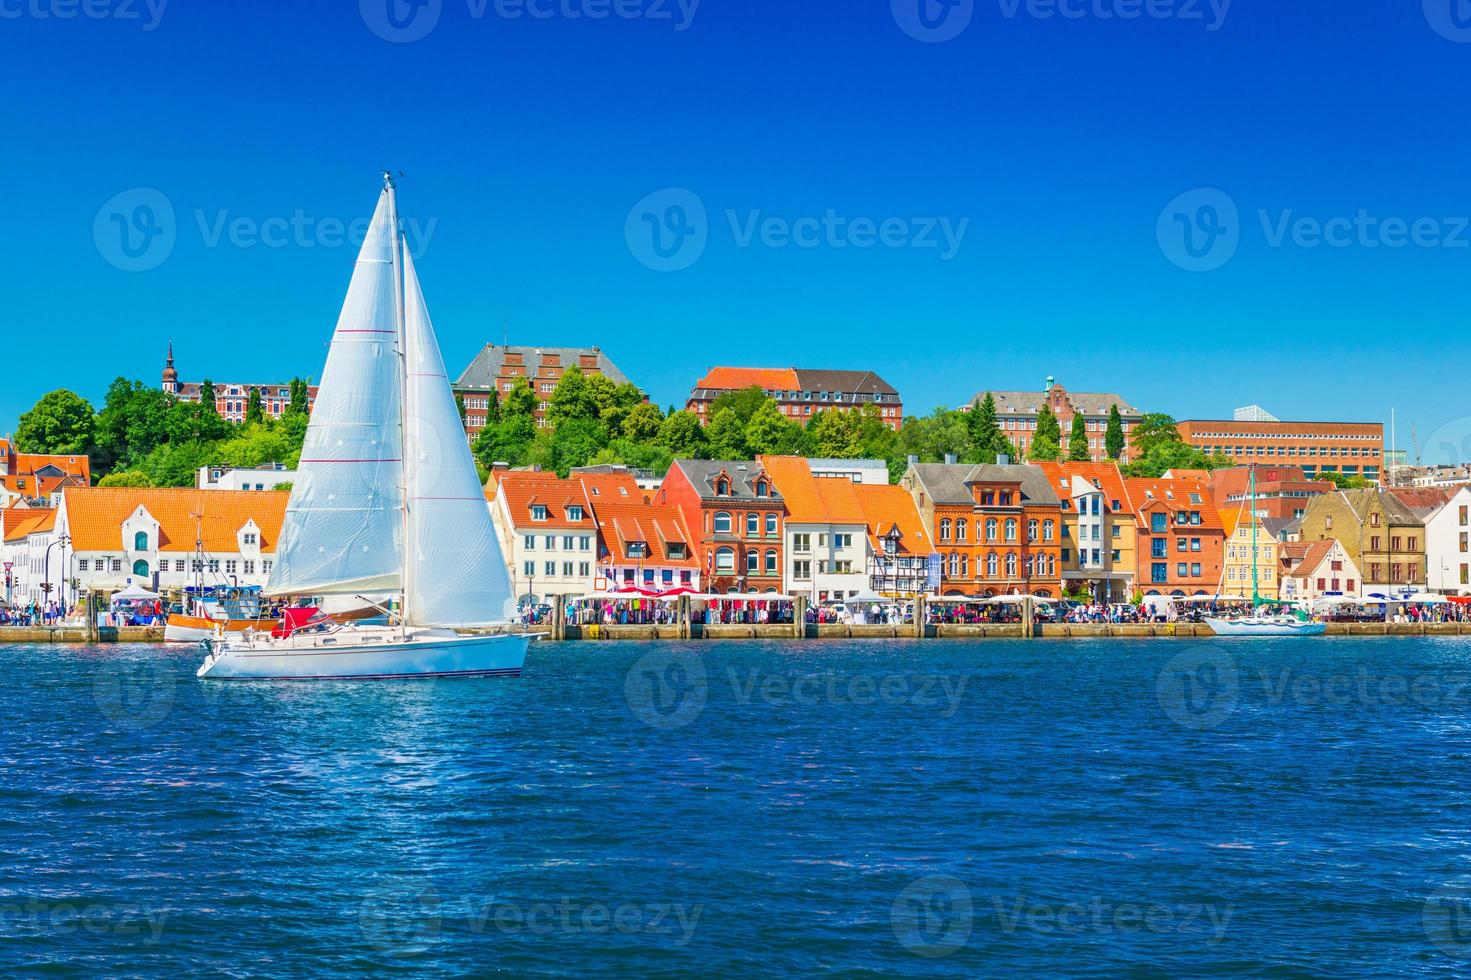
386, 500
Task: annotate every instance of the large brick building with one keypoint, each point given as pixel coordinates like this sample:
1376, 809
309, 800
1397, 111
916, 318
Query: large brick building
1181, 542
801, 392
736, 512
1016, 412
232, 397
496, 368
1350, 448
1282, 492
997, 528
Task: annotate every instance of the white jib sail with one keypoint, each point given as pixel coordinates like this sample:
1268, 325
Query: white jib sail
344, 523
455, 572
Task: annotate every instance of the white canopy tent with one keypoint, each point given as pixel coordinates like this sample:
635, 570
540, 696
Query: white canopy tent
134, 593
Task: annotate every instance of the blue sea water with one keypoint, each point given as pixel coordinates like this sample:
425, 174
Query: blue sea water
1043, 808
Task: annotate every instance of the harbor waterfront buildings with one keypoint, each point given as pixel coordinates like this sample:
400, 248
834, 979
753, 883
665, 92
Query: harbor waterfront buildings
1181, 540
1349, 448
494, 371
825, 535
547, 533
106, 537
1311, 570
1098, 529
801, 393
996, 527
1017, 411
736, 511
1383, 536
233, 397
37, 476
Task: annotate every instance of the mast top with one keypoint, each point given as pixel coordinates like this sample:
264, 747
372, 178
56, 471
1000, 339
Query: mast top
387, 180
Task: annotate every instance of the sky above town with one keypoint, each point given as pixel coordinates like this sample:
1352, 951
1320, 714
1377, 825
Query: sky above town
1196, 204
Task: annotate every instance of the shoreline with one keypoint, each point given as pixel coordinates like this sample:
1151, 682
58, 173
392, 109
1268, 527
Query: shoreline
76, 635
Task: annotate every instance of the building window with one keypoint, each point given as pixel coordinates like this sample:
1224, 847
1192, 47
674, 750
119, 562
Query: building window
753, 524
140, 542
538, 512
945, 529
1032, 529
990, 529
992, 567
960, 528
249, 537
771, 524
140, 567
249, 567
574, 513
771, 563
802, 543
802, 570
722, 524
725, 559
1011, 565
753, 563
1047, 528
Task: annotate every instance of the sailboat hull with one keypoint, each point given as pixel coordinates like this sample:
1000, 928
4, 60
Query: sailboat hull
367, 653
1259, 626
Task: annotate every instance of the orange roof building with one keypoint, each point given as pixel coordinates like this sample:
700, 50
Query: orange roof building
1098, 528
1181, 542
547, 532
801, 393
641, 545
899, 547
170, 538
36, 476
26, 536
826, 534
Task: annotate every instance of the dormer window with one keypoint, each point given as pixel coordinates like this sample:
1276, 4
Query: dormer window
538, 512
140, 541
574, 513
636, 549
722, 487
760, 488
678, 551
248, 538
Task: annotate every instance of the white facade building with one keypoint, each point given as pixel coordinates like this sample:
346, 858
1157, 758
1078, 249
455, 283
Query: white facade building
547, 533
1448, 546
242, 478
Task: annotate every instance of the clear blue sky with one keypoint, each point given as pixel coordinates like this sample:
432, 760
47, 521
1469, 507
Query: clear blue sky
528, 140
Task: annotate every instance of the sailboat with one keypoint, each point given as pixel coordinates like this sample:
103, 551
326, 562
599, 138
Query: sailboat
386, 500
1262, 622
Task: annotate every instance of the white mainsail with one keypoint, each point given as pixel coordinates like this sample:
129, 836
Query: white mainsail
344, 522
455, 573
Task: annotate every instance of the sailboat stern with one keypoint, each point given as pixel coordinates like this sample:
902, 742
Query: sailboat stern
369, 653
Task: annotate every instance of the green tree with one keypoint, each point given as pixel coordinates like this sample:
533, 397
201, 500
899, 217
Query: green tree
60, 422
256, 445
125, 478
132, 421
1047, 439
836, 434
743, 403
642, 423
207, 396
1077, 449
572, 400
300, 403
575, 442
1113, 435
727, 436
254, 413
510, 439
682, 434
519, 401
767, 431
1153, 430
459, 406
194, 422
287, 485
987, 439
176, 464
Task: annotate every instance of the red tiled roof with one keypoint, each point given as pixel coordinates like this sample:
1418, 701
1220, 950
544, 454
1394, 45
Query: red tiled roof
885, 506
812, 499
735, 378
523, 490
621, 520
95, 516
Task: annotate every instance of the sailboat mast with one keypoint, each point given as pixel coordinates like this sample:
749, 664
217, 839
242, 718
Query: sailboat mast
1255, 589
403, 377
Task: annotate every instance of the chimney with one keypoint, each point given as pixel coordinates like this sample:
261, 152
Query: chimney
1003, 460
913, 458
951, 458
499, 466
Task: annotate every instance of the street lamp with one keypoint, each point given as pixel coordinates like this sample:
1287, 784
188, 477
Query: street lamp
63, 541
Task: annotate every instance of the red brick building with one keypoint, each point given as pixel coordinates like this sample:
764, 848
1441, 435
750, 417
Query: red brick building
736, 513
801, 392
1181, 542
232, 397
1016, 413
496, 368
1282, 492
1350, 448
997, 529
